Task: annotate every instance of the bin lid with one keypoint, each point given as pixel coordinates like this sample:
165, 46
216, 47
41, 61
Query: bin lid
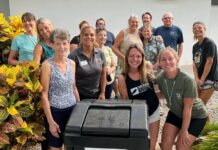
107, 121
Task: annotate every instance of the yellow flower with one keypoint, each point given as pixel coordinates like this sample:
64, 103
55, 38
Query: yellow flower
9, 30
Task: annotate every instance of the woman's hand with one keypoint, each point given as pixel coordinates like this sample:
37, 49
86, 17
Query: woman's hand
54, 129
199, 83
101, 96
184, 138
108, 71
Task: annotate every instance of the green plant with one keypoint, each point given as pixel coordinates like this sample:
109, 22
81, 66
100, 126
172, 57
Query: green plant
209, 128
21, 115
210, 139
8, 31
210, 142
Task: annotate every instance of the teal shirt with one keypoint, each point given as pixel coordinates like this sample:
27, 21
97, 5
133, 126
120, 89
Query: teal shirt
48, 52
184, 87
24, 45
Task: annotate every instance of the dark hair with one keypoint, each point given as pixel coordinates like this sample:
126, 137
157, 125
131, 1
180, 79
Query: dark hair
99, 20
147, 14
99, 30
28, 16
83, 22
200, 23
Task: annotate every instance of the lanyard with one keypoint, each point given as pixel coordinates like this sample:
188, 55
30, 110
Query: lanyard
169, 95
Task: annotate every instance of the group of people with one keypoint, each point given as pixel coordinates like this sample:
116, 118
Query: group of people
146, 56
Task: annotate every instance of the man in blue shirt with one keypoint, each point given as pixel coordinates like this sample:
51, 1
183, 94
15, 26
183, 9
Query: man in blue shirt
171, 34
100, 23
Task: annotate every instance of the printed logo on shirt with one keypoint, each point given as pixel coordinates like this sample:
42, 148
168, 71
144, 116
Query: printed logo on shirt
140, 89
178, 95
197, 58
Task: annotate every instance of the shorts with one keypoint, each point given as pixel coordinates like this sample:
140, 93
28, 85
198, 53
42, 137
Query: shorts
61, 117
195, 127
155, 116
207, 85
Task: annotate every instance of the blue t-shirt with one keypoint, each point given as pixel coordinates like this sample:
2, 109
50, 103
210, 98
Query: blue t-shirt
172, 36
24, 44
110, 39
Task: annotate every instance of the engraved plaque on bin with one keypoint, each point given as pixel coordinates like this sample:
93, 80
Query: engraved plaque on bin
107, 121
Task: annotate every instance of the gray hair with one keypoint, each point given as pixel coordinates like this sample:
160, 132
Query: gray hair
59, 33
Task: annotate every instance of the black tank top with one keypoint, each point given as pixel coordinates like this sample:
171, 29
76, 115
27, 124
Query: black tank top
145, 91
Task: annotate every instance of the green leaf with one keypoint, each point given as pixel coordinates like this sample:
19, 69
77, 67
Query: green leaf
37, 86
25, 111
3, 101
13, 97
22, 138
29, 85
27, 129
3, 114
19, 103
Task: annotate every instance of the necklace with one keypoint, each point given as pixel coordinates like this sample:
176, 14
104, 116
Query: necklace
169, 95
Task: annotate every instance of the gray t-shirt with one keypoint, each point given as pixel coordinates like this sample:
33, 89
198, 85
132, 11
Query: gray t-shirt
178, 88
88, 71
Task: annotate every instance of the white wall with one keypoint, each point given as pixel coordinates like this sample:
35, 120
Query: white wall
68, 13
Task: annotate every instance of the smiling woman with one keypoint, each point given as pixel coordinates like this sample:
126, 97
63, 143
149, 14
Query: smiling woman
23, 45
136, 82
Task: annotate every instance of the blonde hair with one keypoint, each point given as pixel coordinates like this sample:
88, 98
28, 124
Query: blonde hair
144, 70
43, 21
175, 55
133, 16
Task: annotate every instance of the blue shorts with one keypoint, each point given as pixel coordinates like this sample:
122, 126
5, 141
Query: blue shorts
195, 127
61, 117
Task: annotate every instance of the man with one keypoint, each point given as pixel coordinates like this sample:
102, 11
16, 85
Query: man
146, 20
100, 24
171, 34
75, 42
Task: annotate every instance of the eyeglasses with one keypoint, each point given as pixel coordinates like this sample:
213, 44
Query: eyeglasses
165, 18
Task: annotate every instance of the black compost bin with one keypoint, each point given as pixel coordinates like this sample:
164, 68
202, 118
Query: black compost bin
108, 124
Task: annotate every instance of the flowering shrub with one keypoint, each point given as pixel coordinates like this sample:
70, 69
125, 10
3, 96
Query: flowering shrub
21, 115
8, 30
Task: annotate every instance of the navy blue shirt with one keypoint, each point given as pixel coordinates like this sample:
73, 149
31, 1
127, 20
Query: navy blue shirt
110, 39
172, 36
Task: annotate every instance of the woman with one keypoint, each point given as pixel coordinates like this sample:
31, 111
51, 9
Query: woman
22, 47
204, 62
136, 83
90, 66
125, 38
59, 94
101, 38
152, 45
187, 114
43, 49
